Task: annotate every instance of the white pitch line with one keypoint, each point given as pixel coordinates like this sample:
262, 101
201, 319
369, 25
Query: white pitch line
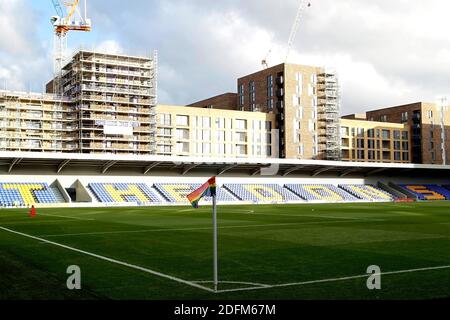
190, 229
132, 266
268, 286
29, 222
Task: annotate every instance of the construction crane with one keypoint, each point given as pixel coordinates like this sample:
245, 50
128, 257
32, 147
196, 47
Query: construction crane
301, 9
72, 20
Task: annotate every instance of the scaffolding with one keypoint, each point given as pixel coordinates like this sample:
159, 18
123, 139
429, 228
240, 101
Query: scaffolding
113, 90
328, 110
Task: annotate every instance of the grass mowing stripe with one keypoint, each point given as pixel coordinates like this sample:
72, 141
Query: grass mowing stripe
132, 266
192, 229
67, 217
268, 286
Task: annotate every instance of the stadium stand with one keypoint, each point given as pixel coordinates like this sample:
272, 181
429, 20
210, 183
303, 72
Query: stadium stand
177, 192
25, 194
123, 192
261, 192
320, 192
367, 192
425, 192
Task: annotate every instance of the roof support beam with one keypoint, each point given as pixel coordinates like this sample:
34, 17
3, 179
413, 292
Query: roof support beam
108, 165
13, 163
189, 168
347, 172
371, 173
290, 170
255, 172
62, 165
225, 169
321, 170
148, 168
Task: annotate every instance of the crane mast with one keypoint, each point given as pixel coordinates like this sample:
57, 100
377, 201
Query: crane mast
72, 20
296, 26
302, 7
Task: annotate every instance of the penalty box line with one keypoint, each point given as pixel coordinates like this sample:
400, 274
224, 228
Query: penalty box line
132, 266
281, 285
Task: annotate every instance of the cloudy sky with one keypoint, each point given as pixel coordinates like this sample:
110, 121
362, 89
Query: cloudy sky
386, 52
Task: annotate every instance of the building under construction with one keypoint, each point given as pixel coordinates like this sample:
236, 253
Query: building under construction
107, 106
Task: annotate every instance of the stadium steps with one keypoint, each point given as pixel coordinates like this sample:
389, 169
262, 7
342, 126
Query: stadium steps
94, 197
231, 192
404, 191
158, 193
395, 193
349, 190
59, 197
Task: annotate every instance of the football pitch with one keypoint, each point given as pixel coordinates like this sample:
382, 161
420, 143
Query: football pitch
265, 252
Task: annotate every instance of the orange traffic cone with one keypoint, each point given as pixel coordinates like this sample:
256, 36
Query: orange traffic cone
33, 211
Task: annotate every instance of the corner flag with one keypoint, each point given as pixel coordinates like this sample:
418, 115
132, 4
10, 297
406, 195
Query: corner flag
207, 189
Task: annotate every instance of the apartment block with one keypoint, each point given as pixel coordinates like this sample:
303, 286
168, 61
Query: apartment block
37, 122
305, 102
206, 132
369, 141
429, 126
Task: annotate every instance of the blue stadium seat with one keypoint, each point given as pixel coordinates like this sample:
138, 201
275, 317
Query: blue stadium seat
123, 192
25, 194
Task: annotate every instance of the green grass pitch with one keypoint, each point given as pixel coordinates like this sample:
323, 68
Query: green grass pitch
265, 252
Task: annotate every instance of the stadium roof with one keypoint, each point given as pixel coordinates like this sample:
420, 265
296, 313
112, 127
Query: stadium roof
107, 163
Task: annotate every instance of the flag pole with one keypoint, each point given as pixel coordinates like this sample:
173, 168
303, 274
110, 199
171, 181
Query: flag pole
216, 276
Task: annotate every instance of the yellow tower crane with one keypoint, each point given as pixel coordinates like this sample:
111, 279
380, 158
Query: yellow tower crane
73, 20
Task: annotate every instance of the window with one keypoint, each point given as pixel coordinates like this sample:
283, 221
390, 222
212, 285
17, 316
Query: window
405, 116
220, 136
383, 118
183, 134
206, 148
386, 134
371, 155
405, 156
371, 133
241, 149
182, 120
252, 95
241, 137
270, 104
206, 122
344, 131
220, 148
397, 145
206, 135
360, 143
220, 122
241, 124
405, 145
241, 95
360, 154
182, 147
405, 135
397, 156
270, 86
430, 114
360, 132
396, 134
